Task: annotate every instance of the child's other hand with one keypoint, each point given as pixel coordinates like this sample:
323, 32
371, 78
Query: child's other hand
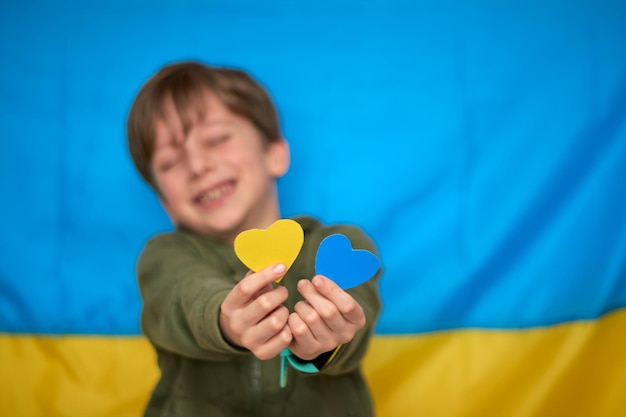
252, 314
326, 318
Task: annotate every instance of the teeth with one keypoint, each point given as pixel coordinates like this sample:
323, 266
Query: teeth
214, 194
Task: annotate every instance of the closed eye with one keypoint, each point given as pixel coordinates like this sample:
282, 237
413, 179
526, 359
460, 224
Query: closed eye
168, 164
213, 141
168, 156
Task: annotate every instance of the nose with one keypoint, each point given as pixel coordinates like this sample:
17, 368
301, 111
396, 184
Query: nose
197, 164
199, 161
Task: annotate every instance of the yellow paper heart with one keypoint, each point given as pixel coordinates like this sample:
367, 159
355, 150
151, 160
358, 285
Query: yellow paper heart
279, 243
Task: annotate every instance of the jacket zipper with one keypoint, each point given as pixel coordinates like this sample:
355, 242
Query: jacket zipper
256, 377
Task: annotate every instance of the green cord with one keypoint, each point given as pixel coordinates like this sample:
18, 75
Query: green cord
287, 357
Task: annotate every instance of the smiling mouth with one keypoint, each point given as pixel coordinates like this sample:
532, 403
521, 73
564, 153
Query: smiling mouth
213, 195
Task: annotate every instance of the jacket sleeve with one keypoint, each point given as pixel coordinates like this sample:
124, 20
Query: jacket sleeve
348, 357
182, 294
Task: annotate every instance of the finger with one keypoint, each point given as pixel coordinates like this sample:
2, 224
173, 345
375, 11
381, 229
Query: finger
299, 329
241, 317
246, 290
262, 331
324, 308
345, 303
266, 303
274, 346
262, 290
313, 323
277, 341
303, 343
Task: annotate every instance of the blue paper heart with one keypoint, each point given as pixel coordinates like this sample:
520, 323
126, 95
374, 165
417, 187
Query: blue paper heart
347, 267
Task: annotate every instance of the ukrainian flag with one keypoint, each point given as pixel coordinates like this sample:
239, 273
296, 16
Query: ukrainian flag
482, 146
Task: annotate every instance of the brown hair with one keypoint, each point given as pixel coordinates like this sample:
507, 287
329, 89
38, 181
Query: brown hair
185, 83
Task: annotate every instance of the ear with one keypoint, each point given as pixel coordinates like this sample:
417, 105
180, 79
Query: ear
278, 157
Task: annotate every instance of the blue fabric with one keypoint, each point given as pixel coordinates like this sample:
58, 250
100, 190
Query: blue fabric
482, 146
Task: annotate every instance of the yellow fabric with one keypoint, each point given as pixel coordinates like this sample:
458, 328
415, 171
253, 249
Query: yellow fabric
574, 369
75, 376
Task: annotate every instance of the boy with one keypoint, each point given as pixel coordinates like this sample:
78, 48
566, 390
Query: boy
207, 140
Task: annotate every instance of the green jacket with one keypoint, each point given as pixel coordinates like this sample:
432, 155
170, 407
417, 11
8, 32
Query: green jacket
183, 279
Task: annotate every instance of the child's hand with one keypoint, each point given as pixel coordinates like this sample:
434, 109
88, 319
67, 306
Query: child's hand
328, 317
252, 316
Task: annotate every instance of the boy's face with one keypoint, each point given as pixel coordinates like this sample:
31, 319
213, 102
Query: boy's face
218, 180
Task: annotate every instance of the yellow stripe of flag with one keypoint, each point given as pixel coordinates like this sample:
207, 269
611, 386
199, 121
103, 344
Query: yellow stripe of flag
574, 369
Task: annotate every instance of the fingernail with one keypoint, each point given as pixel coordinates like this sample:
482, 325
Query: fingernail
279, 269
301, 283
